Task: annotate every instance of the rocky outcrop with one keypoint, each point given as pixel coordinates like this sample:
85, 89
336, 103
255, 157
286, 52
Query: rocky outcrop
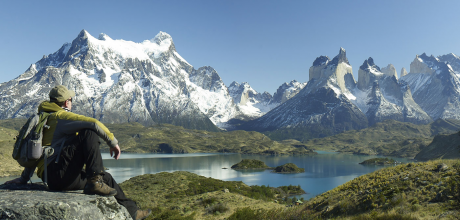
34, 203
336, 72
390, 70
419, 66
403, 72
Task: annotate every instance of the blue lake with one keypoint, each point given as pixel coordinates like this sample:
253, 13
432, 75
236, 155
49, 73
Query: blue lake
323, 172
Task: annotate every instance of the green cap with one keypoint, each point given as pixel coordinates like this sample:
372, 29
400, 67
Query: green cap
60, 93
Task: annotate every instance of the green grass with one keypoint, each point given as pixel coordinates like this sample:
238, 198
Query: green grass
8, 166
404, 192
250, 164
379, 161
288, 168
182, 195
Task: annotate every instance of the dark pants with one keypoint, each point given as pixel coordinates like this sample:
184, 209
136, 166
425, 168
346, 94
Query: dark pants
68, 173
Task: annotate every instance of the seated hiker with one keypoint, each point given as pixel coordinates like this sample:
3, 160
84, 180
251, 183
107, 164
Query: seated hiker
75, 140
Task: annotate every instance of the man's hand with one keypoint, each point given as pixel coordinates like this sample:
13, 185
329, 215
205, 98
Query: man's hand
15, 181
115, 152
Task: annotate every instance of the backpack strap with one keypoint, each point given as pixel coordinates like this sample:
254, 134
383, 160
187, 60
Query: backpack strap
47, 151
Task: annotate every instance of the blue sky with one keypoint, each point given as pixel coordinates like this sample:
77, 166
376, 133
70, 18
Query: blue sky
264, 43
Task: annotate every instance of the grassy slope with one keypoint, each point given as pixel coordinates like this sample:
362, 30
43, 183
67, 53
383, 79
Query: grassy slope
134, 137
389, 138
187, 195
408, 191
8, 166
442, 147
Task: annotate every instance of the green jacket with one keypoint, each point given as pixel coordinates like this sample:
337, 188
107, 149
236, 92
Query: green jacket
63, 126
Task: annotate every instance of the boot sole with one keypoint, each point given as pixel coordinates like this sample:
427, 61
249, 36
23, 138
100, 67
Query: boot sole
106, 195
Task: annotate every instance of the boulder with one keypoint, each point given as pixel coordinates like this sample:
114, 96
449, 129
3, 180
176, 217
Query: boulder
31, 201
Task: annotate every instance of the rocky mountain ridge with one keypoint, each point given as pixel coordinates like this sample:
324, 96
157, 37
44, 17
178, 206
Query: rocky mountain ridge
378, 95
120, 81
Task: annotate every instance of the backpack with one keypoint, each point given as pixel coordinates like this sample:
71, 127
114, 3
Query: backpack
28, 149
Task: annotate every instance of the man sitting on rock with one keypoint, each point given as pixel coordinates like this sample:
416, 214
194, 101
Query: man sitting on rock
75, 140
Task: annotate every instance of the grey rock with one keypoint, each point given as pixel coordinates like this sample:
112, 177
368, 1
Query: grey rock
403, 72
441, 167
435, 87
39, 204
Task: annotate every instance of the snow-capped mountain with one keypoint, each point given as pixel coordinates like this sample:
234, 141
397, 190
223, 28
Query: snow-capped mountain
249, 101
323, 104
122, 81
435, 85
286, 91
453, 60
380, 96
254, 104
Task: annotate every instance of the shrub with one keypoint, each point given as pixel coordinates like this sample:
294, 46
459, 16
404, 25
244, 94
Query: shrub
208, 201
245, 214
216, 209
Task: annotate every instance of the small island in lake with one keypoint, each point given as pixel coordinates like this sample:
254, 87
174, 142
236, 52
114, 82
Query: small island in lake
380, 161
288, 168
250, 164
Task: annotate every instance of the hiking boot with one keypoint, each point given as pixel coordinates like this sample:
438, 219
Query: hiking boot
96, 185
142, 214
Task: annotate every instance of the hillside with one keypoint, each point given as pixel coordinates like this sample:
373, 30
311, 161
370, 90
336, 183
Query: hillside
388, 138
429, 190
164, 138
8, 166
184, 195
442, 147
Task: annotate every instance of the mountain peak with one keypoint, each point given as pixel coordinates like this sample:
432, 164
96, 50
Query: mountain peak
452, 54
390, 70
234, 84
83, 34
341, 57
369, 63
403, 72
104, 37
162, 36
321, 60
